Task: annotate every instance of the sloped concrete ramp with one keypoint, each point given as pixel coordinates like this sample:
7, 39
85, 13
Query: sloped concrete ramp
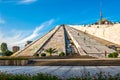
31, 49
54, 39
87, 45
57, 41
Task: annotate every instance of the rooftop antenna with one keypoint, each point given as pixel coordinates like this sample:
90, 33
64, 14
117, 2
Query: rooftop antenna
101, 16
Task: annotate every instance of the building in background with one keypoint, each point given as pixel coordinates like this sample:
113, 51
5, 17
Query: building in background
15, 48
28, 42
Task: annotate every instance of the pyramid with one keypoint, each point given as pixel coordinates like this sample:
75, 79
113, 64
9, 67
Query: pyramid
65, 39
53, 39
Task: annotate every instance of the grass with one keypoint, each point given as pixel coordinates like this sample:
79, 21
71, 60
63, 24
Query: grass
40, 76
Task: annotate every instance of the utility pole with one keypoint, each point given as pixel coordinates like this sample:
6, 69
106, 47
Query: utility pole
101, 15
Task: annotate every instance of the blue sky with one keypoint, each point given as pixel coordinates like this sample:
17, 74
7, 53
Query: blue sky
22, 20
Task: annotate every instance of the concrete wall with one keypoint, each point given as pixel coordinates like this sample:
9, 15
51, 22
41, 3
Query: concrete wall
107, 32
13, 62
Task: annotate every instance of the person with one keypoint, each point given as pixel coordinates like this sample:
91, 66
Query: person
84, 39
105, 53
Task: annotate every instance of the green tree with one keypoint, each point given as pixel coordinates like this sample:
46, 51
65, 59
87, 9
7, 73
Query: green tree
5, 51
51, 51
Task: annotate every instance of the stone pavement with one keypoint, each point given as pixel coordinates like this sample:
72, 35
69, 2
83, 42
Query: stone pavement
85, 44
57, 41
61, 71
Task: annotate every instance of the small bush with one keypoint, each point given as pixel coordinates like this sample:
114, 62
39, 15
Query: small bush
43, 54
62, 54
36, 55
110, 55
113, 55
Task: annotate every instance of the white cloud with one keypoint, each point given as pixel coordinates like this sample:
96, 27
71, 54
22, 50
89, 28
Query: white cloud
36, 32
11, 37
26, 1
18, 1
19, 38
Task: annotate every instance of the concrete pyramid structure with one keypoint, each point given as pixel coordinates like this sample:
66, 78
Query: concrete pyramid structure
65, 39
53, 39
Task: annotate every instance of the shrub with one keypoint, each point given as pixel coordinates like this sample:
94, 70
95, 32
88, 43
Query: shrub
36, 55
9, 53
113, 55
62, 54
43, 54
110, 55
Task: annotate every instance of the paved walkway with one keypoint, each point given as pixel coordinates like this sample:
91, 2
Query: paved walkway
61, 71
87, 44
